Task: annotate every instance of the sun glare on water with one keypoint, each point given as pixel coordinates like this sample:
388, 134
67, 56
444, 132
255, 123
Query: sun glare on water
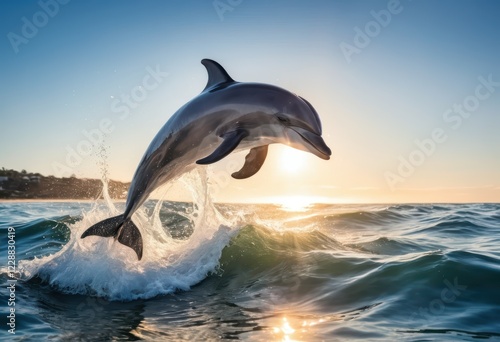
298, 202
296, 329
295, 203
284, 329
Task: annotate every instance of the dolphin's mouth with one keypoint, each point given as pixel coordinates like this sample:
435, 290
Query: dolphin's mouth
320, 148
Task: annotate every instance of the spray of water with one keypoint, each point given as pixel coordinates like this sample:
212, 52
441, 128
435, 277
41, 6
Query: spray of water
103, 267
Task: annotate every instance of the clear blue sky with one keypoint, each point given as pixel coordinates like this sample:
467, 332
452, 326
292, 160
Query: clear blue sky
73, 71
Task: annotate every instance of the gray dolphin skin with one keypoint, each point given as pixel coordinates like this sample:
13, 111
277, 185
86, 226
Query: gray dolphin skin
227, 116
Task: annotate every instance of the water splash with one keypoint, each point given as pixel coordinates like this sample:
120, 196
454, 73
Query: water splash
103, 267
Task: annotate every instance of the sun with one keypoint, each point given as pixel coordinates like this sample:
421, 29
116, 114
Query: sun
292, 161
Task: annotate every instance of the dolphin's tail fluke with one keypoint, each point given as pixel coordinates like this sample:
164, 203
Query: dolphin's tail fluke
123, 230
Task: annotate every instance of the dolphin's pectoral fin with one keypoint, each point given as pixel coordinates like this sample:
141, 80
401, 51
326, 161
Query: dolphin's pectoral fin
231, 141
131, 237
124, 230
253, 162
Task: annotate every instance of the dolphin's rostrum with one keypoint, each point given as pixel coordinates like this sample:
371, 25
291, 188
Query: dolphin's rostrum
227, 116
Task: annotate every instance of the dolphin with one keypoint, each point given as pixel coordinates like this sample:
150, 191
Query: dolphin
226, 116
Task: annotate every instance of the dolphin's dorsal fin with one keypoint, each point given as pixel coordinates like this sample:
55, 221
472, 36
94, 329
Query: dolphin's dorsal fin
216, 73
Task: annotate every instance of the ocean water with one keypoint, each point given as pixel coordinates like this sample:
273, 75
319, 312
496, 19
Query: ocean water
324, 272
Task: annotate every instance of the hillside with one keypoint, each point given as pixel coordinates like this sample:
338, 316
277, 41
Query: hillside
25, 185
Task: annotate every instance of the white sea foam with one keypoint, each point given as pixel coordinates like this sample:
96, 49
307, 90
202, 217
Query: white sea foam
103, 267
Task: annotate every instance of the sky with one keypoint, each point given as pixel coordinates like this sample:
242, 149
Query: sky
408, 92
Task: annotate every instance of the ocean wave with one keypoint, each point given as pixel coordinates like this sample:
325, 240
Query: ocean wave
376, 272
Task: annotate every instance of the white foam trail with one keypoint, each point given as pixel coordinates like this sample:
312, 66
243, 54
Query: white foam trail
103, 267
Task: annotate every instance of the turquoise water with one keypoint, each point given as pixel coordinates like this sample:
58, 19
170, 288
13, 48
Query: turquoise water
256, 273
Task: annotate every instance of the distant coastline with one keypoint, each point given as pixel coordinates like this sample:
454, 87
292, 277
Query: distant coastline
23, 185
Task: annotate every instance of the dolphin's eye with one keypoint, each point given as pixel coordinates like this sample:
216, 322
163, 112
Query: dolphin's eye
283, 119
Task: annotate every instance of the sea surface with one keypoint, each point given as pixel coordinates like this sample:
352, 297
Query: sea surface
323, 272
